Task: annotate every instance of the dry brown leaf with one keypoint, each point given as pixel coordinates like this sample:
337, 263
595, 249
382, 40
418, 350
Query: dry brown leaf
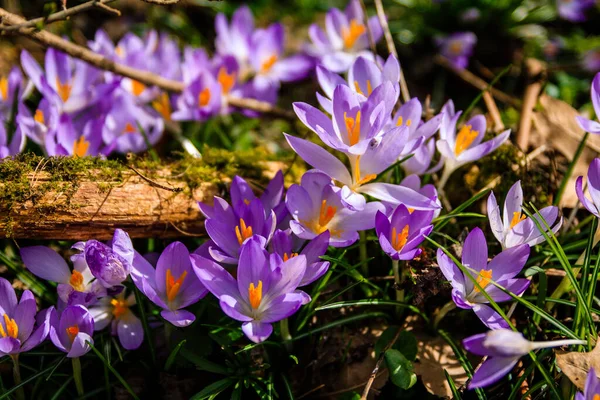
556, 126
433, 357
575, 365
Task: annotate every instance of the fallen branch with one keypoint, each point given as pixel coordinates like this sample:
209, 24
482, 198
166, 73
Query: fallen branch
535, 73
374, 375
48, 39
477, 82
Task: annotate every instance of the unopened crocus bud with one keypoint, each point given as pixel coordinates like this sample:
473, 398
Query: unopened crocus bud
110, 265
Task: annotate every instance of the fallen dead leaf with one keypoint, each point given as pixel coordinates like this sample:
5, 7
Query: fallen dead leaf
575, 365
556, 126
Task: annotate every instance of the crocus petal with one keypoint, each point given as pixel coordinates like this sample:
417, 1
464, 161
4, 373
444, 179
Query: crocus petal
122, 245
509, 263
320, 159
328, 80
80, 345
493, 211
8, 298
513, 203
179, 318
40, 333
319, 123
451, 271
584, 200
283, 307
175, 258
214, 277
489, 317
9, 345
45, 263
257, 331
130, 331
234, 308
492, 370
396, 194
475, 251
24, 315
588, 125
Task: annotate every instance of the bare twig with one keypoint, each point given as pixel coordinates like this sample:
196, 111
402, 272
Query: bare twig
48, 39
476, 81
365, 392
369, 32
59, 16
162, 2
535, 71
494, 112
108, 9
389, 40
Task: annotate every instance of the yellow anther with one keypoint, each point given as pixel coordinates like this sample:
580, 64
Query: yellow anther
255, 294
399, 239
243, 232
353, 128
129, 128
358, 181
352, 33
287, 257
64, 90
172, 285
465, 137
4, 88
226, 80
204, 97
120, 307
359, 90
80, 147
517, 217
76, 281
401, 121
163, 106
268, 64
483, 279
456, 47
39, 117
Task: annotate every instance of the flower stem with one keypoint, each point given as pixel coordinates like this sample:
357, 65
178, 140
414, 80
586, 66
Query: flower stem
77, 375
362, 249
17, 377
449, 306
399, 279
284, 330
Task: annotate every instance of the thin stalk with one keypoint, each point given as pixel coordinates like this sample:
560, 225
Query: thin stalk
558, 343
362, 248
565, 180
449, 306
399, 279
77, 375
17, 377
284, 330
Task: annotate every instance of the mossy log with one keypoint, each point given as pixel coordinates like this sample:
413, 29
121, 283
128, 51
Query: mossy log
80, 199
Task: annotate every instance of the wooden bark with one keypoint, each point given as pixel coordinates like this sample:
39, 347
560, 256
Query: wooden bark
143, 202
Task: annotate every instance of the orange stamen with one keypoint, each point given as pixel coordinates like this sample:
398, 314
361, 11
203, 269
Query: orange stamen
465, 137
401, 121
129, 128
243, 232
517, 217
255, 294
163, 106
137, 87
484, 278
351, 34
204, 97
64, 90
80, 147
399, 239
39, 117
172, 285
287, 257
120, 307
226, 80
456, 47
4, 88
358, 181
369, 88
72, 332
353, 128
12, 329
76, 281
268, 64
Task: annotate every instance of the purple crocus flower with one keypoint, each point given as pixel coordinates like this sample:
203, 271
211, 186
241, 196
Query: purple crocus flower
316, 206
229, 226
268, 63
401, 235
71, 331
126, 124
36, 126
20, 329
13, 146
234, 39
466, 146
593, 176
513, 228
200, 100
11, 86
346, 37
116, 311
504, 348
68, 83
172, 285
265, 290
420, 162
414, 182
363, 77
66, 140
457, 47
592, 387
74, 287
586, 124
284, 246
382, 152
110, 265
502, 270
573, 10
